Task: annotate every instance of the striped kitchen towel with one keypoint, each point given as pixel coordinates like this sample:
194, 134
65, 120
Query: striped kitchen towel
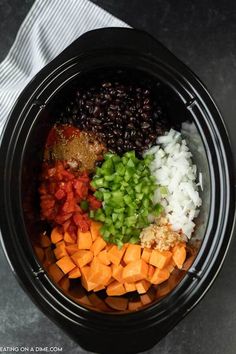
50, 26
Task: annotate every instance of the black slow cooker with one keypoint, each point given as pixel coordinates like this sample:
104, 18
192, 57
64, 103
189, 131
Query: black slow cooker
102, 53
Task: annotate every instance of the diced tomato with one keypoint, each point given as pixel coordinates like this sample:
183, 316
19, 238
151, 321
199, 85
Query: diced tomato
94, 203
61, 193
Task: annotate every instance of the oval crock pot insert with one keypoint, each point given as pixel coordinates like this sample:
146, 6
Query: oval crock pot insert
48, 114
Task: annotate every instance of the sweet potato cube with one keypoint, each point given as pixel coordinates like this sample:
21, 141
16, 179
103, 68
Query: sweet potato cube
87, 284
80, 296
115, 289
64, 283
69, 238
160, 259
55, 273
44, 240
60, 250
147, 298
98, 288
56, 235
135, 271
134, 305
151, 270
97, 302
39, 253
163, 289
74, 273
82, 257
99, 273
95, 229
146, 254
49, 256
129, 287
103, 257
84, 240
159, 276
132, 253
117, 303
171, 266
65, 264
179, 255
71, 249
98, 245
142, 286
115, 254
117, 271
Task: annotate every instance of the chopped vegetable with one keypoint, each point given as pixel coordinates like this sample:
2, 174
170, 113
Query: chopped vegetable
66, 264
126, 187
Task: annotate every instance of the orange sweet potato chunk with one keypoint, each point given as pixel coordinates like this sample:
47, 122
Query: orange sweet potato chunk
159, 276
117, 303
163, 289
147, 298
55, 272
74, 273
69, 238
56, 235
49, 256
39, 253
151, 270
97, 302
142, 286
115, 289
79, 295
95, 229
179, 255
84, 240
64, 283
71, 249
82, 257
134, 305
99, 273
60, 250
132, 253
98, 288
65, 264
135, 271
160, 259
129, 287
87, 284
117, 271
115, 254
44, 240
103, 257
146, 254
98, 245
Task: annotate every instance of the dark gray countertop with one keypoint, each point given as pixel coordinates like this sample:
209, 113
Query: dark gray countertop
203, 35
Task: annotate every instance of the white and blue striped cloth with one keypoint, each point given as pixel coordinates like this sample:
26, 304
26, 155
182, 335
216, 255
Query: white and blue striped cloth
50, 26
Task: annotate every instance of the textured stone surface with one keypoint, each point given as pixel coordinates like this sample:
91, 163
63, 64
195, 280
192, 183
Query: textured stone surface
203, 35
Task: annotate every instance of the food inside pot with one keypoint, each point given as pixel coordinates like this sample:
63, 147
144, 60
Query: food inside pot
119, 194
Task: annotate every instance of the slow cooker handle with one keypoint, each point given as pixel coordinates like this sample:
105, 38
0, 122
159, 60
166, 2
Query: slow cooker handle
120, 38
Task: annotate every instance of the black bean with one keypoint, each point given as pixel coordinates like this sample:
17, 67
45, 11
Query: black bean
106, 84
125, 116
147, 107
138, 143
96, 111
95, 121
146, 101
130, 126
145, 125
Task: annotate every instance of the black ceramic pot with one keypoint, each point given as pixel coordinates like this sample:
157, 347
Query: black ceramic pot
103, 53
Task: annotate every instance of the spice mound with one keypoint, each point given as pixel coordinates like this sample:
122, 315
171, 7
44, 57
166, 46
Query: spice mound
160, 237
80, 149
